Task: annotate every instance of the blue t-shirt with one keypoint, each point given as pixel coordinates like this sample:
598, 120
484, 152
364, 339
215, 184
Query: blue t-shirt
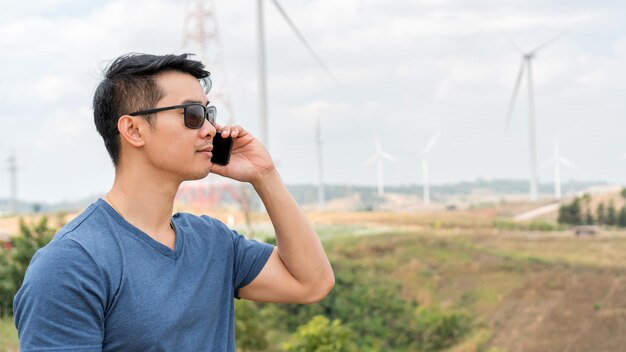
104, 285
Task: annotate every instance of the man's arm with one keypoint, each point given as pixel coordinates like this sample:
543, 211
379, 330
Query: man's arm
298, 270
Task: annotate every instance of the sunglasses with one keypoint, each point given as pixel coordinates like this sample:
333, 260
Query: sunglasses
195, 113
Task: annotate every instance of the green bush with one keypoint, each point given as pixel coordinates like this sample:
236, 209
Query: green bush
249, 327
372, 306
320, 335
441, 329
14, 261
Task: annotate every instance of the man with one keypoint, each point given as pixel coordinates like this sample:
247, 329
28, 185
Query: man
126, 275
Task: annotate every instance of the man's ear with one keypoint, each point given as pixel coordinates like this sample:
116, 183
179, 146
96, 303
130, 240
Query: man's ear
131, 129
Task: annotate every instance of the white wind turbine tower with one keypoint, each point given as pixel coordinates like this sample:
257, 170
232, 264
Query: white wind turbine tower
379, 156
425, 156
261, 66
320, 162
526, 64
557, 160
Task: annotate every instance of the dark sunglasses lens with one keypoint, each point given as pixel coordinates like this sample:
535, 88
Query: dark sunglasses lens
211, 112
194, 116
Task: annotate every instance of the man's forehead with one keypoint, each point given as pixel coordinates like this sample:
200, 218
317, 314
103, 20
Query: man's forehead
180, 85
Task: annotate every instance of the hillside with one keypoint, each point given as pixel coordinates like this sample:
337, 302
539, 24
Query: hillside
528, 291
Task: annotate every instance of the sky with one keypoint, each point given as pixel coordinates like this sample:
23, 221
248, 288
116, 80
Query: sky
404, 70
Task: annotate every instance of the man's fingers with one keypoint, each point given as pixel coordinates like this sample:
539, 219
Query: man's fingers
232, 131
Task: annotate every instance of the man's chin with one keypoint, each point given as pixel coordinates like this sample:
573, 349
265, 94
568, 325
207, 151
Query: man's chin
199, 176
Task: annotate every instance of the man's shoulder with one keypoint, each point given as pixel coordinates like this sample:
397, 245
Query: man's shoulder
94, 232
87, 227
202, 224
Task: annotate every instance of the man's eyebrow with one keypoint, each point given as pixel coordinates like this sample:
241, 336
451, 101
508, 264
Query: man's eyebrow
191, 101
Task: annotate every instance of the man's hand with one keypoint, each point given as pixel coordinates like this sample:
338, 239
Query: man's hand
298, 270
249, 160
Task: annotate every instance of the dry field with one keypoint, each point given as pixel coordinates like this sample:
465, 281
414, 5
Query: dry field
529, 290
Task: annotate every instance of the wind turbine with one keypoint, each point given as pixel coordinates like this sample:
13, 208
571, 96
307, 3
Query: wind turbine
557, 160
320, 163
261, 66
425, 156
527, 58
379, 156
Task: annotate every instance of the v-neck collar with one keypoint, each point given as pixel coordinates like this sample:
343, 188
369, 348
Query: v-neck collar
144, 237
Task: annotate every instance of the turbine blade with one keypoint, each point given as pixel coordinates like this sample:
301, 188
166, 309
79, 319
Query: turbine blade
431, 143
550, 41
389, 157
371, 159
499, 30
303, 40
515, 90
566, 162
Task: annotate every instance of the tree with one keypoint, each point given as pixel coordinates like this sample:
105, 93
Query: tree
320, 335
588, 212
250, 329
570, 213
611, 214
14, 261
621, 217
623, 192
601, 214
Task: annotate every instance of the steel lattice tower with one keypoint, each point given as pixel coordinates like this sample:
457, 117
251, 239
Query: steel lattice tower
201, 33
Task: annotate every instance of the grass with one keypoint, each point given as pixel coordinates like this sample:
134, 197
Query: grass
8, 335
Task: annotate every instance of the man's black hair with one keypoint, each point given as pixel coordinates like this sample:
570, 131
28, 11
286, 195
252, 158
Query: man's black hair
129, 85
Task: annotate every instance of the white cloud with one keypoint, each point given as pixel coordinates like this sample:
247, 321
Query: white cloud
406, 69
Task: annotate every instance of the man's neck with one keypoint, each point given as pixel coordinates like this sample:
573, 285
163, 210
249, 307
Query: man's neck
146, 201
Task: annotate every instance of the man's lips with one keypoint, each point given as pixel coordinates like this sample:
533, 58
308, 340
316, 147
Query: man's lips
206, 149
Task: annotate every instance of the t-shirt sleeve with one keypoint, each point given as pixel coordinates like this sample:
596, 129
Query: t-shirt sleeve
60, 305
250, 257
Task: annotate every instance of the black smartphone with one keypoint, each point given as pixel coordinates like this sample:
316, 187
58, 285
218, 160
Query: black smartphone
221, 149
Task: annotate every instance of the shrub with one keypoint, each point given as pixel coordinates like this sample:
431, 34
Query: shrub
372, 306
320, 335
14, 261
441, 329
250, 330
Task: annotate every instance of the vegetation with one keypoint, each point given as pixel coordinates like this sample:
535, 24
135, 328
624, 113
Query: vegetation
571, 214
436, 287
321, 335
15, 258
376, 316
579, 212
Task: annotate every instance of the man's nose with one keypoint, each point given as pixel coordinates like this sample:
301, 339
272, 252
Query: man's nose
207, 129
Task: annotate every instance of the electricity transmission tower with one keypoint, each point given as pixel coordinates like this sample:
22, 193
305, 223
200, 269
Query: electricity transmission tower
201, 32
